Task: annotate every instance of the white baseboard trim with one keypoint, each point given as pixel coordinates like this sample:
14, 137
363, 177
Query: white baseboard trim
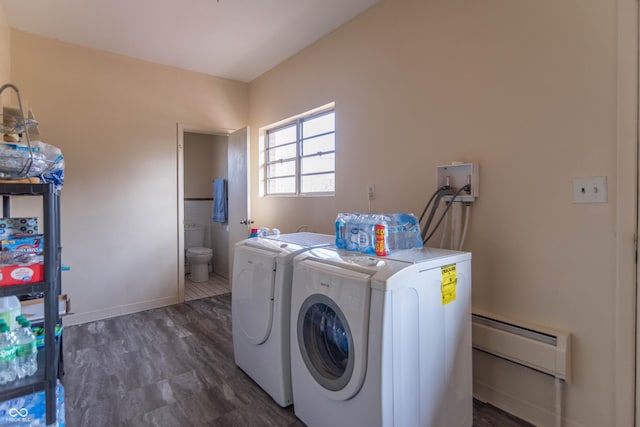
79, 318
524, 410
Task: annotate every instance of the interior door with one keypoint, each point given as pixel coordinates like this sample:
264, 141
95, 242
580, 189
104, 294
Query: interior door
238, 189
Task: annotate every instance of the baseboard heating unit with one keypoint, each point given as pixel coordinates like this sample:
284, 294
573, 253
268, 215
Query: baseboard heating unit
543, 349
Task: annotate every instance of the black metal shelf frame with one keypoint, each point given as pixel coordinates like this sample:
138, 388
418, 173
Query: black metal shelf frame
48, 357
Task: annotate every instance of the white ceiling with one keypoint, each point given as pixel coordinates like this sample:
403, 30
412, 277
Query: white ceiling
236, 39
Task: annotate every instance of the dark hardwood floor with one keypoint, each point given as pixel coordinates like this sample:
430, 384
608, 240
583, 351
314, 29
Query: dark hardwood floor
174, 366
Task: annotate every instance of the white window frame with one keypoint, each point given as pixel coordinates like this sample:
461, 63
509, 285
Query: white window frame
298, 122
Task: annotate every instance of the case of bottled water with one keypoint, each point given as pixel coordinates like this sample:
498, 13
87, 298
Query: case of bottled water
377, 234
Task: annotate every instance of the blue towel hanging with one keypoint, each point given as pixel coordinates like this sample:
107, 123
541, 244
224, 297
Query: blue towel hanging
220, 211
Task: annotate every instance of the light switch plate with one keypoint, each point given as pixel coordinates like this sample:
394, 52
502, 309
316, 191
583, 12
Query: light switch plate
590, 190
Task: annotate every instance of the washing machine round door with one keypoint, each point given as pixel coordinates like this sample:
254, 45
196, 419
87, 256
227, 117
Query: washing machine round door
325, 342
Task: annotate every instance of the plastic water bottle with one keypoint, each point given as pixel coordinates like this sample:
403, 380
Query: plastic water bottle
26, 350
17, 336
367, 234
341, 222
16, 332
7, 355
352, 232
9, 309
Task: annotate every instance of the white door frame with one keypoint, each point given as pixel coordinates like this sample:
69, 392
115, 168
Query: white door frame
180, 209
180, 131
627, 303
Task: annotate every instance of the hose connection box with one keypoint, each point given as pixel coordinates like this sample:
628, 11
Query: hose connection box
457, 175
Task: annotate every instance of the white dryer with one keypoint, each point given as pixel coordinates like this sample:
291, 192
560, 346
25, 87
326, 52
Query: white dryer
260, 307
381, 341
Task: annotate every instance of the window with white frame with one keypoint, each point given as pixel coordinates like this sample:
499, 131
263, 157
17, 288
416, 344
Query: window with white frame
299, 156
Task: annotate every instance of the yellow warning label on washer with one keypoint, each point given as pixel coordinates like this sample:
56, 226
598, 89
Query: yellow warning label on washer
449, 282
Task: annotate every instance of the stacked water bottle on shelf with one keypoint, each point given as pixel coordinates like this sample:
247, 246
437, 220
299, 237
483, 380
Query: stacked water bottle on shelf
377, 234
18, 352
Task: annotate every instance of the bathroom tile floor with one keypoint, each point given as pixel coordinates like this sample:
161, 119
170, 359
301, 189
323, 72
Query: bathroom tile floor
216, 285
174, 366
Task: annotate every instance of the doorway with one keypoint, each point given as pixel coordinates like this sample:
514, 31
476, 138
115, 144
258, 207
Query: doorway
202, 156
205, 160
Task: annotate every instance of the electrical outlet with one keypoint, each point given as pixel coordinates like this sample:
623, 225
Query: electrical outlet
590, 190
371, 191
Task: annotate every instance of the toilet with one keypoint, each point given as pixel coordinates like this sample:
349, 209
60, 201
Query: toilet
198, 256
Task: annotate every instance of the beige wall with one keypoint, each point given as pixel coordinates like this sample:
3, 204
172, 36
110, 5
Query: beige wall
220, 231
198, 174
5, 51
220, 151
528, 91
115, 120
205, 158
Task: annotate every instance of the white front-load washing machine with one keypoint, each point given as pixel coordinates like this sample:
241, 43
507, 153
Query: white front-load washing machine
260, 307
382, 341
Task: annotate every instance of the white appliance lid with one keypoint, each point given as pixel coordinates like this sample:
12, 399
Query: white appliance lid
416, 256
287, 246
381, 269
305, 239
